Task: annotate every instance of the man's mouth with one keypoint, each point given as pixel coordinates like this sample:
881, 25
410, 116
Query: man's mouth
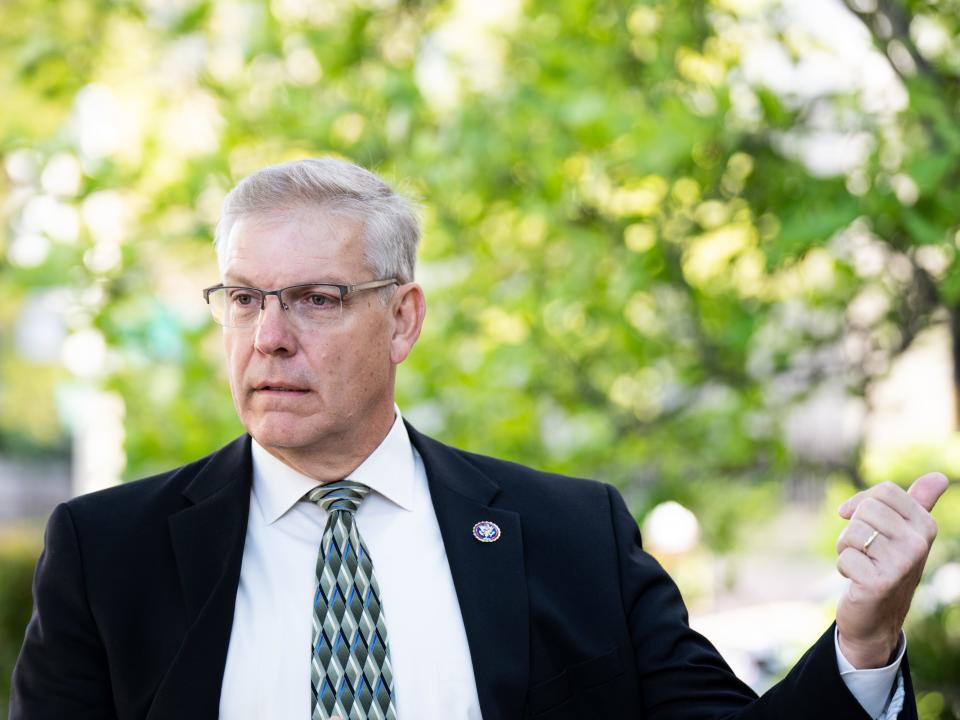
279, 388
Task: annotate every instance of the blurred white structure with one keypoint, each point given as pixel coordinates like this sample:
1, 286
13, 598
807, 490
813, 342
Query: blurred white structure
914, 404
827, 426
670, 529
31, 488
98, 456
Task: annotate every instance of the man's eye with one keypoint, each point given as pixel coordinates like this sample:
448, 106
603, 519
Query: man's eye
318, 300
242, 298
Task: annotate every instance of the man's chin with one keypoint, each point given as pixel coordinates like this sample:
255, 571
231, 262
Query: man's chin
285, 431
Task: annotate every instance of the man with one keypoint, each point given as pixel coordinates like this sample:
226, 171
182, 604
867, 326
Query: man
337, 563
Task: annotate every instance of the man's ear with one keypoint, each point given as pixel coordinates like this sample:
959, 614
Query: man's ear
409, 307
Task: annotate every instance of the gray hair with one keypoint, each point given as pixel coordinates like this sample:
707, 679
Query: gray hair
391, 231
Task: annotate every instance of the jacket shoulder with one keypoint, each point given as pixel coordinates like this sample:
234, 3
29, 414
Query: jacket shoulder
523, 488
155, 496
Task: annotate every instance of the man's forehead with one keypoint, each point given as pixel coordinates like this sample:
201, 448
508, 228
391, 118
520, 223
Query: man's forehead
289, 246
309, 222
256, 273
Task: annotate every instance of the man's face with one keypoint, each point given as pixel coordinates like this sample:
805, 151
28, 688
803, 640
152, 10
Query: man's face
307, 388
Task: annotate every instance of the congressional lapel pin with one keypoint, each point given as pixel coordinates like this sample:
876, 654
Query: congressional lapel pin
486, 531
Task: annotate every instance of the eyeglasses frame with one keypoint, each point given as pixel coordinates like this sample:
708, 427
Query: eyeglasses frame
344, 290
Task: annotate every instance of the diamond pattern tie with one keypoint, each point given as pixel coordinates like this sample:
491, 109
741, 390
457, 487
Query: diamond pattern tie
350, 672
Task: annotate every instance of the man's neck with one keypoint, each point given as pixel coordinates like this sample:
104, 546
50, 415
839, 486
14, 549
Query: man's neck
339, 455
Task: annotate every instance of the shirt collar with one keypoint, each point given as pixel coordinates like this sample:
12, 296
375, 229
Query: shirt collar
388, 470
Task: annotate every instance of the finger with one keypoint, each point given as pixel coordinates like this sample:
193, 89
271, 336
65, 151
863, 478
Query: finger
893, 496
849, 506
928, 488
880, 516
855, 566
855, 535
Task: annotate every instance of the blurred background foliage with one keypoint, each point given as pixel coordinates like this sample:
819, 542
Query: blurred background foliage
652, 229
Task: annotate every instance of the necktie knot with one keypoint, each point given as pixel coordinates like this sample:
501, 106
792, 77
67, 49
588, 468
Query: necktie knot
343, 495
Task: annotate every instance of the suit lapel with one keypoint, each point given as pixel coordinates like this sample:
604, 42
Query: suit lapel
208, 539
489, 577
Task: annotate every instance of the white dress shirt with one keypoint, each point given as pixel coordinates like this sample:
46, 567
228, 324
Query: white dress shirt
267, 673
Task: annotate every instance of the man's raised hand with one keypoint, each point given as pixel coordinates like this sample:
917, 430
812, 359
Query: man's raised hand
882, 551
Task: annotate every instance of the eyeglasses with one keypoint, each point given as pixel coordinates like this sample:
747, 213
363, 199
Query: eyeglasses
307, 305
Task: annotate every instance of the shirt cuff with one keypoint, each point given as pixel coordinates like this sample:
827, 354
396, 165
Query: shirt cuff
872, 687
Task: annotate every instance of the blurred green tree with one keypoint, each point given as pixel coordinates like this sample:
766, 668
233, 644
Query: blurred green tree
630, 242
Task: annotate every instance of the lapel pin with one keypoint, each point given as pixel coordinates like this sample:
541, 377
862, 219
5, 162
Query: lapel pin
486, 531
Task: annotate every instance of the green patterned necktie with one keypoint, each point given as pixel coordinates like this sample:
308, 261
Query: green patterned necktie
350, 672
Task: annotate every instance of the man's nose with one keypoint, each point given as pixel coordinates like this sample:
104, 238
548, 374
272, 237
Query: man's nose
275, 331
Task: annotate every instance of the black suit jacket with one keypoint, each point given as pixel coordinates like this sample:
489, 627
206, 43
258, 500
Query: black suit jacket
566, 616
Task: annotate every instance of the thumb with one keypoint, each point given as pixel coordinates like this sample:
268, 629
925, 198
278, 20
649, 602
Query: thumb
928, 488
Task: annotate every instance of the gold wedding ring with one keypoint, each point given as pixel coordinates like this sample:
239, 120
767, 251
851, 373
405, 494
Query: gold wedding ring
869, 542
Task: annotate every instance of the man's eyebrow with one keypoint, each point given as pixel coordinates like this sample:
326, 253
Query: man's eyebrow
237, 280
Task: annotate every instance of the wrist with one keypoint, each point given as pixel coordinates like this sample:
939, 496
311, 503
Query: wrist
870, 654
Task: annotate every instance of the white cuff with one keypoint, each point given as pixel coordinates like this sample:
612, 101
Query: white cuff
872, 688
